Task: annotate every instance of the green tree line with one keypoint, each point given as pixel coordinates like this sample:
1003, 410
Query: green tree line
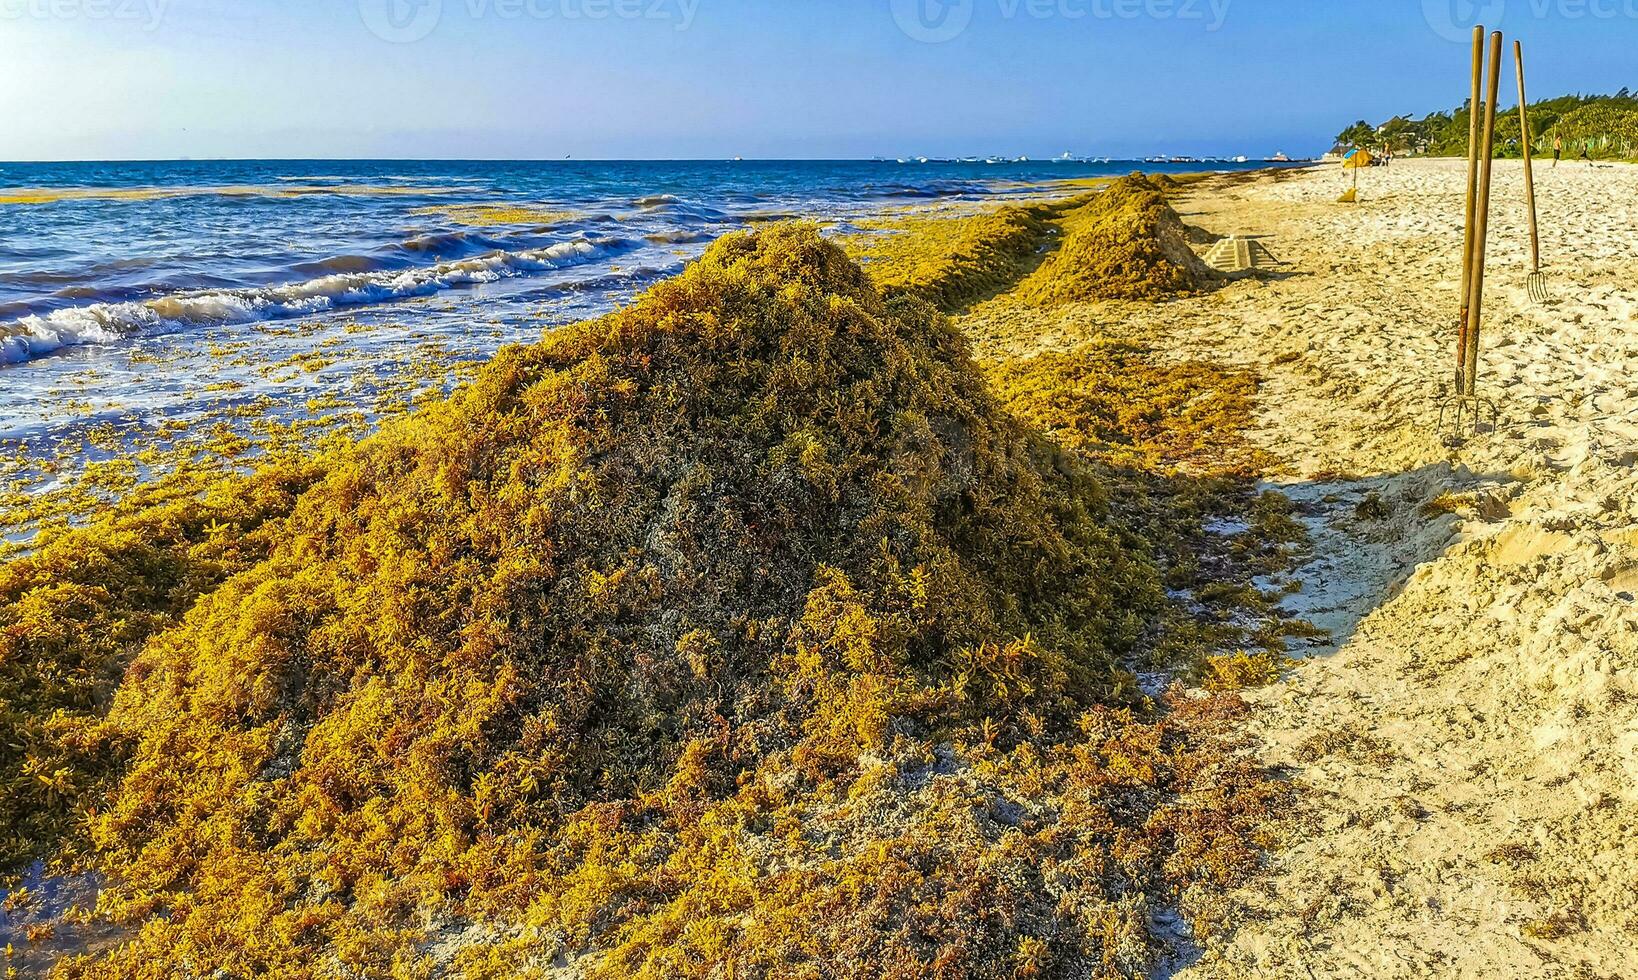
1607, 125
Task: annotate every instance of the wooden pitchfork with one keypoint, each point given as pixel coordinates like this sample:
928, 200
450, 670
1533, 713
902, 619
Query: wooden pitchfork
1467, 406
1536, 283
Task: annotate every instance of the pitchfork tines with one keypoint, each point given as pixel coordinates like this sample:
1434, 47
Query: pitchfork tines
1536, 284
1466, 405
1466, 415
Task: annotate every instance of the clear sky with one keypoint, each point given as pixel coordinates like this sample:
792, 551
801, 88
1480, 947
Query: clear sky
115, 79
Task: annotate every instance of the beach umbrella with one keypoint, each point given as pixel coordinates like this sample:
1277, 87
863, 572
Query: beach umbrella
1354, 160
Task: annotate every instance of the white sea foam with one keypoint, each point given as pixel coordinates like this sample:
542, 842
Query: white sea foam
104, 323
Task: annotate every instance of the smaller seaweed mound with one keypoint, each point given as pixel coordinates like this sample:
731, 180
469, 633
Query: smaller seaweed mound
1127, 243
953, 262
71, 615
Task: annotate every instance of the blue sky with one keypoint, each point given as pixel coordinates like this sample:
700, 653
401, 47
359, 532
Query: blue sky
111, 79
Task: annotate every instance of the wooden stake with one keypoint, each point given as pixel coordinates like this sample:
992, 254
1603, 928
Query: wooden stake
1481, 228
1474, 109
1524, 123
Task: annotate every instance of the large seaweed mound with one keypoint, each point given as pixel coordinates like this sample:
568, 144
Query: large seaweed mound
1126, 244
740, 632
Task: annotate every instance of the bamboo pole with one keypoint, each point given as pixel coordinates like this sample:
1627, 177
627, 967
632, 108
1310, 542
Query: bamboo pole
1481, 226
1529, 175
1474, 108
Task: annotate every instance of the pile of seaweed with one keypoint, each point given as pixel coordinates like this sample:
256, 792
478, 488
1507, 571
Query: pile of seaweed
740, 632
72, 611
1123, 242
954, 262
1127, 243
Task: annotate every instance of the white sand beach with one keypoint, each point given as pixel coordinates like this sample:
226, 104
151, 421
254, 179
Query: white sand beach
1470, 736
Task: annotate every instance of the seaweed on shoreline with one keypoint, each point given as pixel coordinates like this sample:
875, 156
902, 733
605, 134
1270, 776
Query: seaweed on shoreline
1125, 244
74, 612
955, 262
1167, 439
741, 629
1122, 243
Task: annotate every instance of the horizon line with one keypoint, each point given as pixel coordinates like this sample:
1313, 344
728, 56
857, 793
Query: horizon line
1227, 158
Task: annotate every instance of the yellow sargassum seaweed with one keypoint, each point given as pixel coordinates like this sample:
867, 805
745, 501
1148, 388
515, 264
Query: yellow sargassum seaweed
953, 262
1125, 244
70, 615
739, 632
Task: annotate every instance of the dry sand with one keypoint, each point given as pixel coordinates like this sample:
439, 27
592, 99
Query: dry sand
1469, 738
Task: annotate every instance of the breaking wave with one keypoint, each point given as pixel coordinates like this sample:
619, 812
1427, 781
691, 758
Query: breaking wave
106, 323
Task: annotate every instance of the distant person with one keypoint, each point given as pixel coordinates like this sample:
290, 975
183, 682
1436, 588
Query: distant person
1586, 153
1558, 149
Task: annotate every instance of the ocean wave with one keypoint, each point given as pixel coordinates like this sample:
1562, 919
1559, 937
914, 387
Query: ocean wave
679, 213
453, 243
47, 278
417, 250
342, 265
106, 323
